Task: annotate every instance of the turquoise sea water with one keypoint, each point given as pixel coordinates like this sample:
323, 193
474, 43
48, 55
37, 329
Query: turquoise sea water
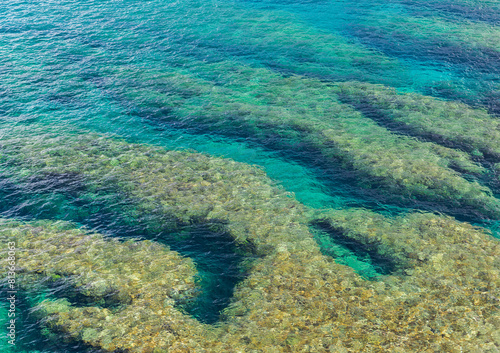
149, 71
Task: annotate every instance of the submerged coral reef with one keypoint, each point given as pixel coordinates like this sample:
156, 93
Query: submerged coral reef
443, 293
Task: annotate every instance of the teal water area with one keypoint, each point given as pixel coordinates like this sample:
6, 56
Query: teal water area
434, 63
144, 71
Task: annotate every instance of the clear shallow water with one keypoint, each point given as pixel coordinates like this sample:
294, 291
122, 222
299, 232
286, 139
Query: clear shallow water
144, 71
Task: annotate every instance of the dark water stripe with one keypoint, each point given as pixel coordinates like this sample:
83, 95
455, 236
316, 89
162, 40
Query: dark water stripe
412, 56
29, 336
453, 9
258, 135
66, 197
273, 140
485, 97
293, 145
490, 179
58, 198
369, 109
219, 264
403, 45
375, 264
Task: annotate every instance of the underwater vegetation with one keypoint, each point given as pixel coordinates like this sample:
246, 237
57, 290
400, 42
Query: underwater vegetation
396, 100
304, 113
449, 123
112, 274
203, 73
443, 292
448, 49
443, 39
161, 187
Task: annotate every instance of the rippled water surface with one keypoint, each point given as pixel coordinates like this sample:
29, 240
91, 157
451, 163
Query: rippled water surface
382, 108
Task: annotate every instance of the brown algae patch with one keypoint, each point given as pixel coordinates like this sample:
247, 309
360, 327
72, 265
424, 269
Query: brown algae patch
144, 275
443, 296
447, 300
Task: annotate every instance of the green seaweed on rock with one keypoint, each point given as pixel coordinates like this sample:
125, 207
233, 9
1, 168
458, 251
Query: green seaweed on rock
457, 41
200, 88
303, 112
464, 34
160, 185
443, 295
475, 10
451, 123
145, 275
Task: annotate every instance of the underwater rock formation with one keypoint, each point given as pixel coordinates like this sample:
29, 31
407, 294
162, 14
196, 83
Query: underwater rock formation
230, 70
450, 123
166, 188
307, 114
443, 294
486, 11
111, 275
